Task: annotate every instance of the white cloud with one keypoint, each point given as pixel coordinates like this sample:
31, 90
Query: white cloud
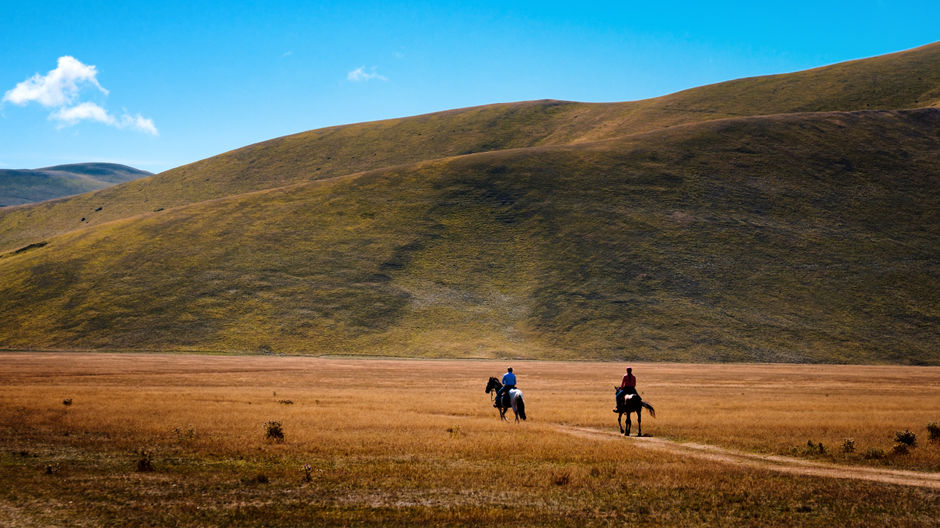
361, 75
60, 89
68, 116
138, 122
81, 112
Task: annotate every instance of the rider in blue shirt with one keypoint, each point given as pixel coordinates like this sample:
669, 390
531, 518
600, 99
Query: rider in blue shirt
509, 382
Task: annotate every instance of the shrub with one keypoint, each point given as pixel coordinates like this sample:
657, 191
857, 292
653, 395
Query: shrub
874, 454
144, 460
901, 449
933, 432
561, 479
848, 445
814, 449
906, 438
307, 470
286, 402
454, 431
67, 402
274, 431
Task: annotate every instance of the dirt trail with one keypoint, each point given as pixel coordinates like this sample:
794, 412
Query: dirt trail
782, 464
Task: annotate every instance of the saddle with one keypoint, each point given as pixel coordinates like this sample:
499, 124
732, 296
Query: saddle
622, 401
503, 400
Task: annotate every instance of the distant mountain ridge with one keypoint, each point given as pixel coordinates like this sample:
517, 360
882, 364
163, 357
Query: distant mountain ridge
23, 186
791, 217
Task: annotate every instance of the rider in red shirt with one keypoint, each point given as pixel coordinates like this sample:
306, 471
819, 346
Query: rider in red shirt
627, 386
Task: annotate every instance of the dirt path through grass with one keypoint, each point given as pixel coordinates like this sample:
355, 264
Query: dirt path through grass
781, 464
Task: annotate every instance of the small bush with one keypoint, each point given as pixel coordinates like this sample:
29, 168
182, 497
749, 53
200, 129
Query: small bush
561, 479
307, 473
814, 449
454, 431
67, 402
144, 460
274, 431
286, 402
848, 445
874, 454
933, 432
52, 469
901, 449
906, 438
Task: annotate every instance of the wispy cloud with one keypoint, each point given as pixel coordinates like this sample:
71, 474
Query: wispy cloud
68, 116
361, 75
85, 111
60, 89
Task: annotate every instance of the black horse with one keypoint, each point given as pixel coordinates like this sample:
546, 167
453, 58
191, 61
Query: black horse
632, 404
513, 399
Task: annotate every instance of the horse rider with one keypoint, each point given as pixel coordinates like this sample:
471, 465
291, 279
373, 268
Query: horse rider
627, 386
509, 382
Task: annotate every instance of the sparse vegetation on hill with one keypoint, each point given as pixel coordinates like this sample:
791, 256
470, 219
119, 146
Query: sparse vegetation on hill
544, 229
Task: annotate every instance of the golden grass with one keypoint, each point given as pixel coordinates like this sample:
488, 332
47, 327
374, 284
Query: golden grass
398, 442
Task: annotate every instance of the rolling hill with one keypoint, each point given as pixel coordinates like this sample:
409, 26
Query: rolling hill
784, 218
23, 186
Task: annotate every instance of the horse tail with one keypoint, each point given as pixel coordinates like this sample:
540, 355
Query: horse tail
650, 407
520, 407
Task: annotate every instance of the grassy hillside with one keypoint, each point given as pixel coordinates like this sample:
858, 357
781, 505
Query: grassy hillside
803, 237
781, 218
909, 79
24, 186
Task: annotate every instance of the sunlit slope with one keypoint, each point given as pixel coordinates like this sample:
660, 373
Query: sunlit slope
805, 237
908, 79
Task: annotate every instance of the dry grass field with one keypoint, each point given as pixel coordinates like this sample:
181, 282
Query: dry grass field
180, 440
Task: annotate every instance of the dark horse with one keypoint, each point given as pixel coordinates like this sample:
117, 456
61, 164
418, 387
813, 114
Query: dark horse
514, 398
632, 404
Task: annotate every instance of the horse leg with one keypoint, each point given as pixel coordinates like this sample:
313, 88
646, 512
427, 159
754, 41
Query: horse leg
620, 422
639, 422
629, 425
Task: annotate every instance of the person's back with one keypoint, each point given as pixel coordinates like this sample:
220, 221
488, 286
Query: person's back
627, 386
509, 383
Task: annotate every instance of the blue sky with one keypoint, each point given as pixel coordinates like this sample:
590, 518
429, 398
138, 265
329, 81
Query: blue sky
161, 84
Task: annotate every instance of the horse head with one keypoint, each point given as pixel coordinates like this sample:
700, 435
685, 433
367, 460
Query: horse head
493, 384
